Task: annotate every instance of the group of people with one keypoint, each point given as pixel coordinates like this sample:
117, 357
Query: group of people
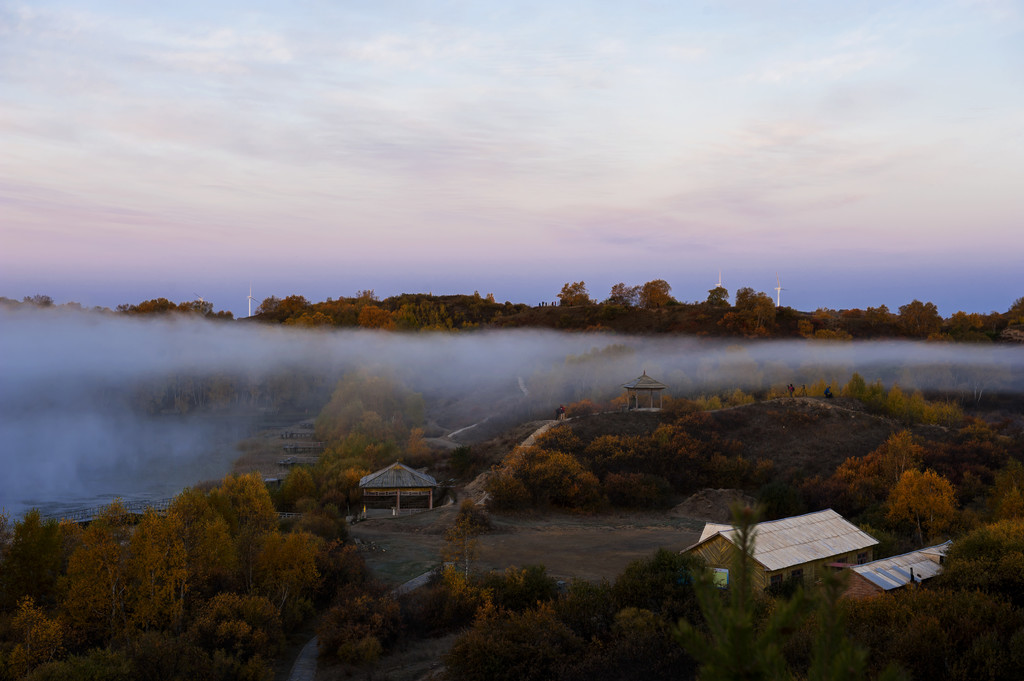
560, 413
792, 390
803, 390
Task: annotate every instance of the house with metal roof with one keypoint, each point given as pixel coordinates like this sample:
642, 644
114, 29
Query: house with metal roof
801, 547
896, 572
394, 485
643, 386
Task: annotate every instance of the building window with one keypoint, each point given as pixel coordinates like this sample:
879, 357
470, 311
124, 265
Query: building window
720, 577
862, 557
775, 580
797, 575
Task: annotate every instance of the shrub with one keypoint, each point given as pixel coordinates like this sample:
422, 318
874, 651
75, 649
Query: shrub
240, 627
450, 601
587, 608
637, 490
520, 588
529, 646
662, 584
360, 626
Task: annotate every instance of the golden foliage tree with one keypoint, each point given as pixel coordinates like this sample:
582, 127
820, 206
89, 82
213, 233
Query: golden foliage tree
39, 638
925, 498
655, 294
373, 317
574, 294
96, 601
158, 570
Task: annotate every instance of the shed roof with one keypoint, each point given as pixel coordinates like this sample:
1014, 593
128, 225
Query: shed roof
779, 544
894, 572
645, 382
397, 475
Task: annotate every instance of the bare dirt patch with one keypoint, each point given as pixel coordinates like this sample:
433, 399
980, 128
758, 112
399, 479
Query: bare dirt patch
585, 547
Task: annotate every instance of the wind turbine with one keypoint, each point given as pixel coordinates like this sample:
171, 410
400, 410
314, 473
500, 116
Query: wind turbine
250, 299
778, 291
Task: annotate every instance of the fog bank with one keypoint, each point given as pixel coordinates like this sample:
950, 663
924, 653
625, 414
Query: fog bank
77, 422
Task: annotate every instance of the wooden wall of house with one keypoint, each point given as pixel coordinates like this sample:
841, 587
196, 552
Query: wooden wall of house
718, 552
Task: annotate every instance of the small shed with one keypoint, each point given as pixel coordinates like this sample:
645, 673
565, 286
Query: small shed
642, 390
800, 547
896, 572
396, 484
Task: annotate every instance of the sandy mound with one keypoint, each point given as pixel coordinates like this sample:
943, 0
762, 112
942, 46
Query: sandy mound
712, 505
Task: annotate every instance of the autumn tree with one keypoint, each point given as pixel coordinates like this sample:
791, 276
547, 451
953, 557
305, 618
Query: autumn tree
626, 296
752, 315
210, 558
158, 570
574, 294
989, 559
718, 297
1007, 498
655, 294
373, 317
246, 505
919, 319
286, 572
96, 602
460, 537
31, 563
925, 498
39, 639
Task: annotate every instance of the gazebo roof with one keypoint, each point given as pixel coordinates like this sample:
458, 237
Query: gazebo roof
395, 476
645, 382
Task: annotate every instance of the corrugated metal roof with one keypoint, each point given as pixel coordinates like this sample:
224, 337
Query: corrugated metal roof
645, 382
397, 475
894, 572
779, 544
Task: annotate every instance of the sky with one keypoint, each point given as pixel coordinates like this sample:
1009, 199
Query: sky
866, 153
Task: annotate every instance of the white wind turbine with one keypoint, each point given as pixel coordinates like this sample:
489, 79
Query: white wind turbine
778, 291
250, 300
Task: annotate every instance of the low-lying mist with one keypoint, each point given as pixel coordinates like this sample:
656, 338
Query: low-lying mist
86, 413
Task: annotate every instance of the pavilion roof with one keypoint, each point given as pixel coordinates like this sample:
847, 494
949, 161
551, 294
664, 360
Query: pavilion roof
645, 382
397, 475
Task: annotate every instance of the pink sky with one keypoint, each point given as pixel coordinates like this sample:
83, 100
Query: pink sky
868, 155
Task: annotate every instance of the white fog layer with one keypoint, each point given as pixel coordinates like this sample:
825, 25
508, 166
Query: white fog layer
85, 414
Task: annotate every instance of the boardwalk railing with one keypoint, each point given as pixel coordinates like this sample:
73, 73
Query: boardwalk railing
86, 514
132, 508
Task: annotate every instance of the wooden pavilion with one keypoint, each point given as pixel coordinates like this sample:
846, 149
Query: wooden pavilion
396, 484
639, 386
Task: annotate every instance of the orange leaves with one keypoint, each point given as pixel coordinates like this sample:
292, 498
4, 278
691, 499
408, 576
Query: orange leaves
927, 499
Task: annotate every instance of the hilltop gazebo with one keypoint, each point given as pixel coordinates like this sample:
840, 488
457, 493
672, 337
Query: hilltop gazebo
394, 483
643, 384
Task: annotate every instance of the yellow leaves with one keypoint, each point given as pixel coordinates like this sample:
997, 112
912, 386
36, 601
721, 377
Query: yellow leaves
286, 566
373, 317
39, 639
925, 498
245, 503
655, 294
159, 573
574, 294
